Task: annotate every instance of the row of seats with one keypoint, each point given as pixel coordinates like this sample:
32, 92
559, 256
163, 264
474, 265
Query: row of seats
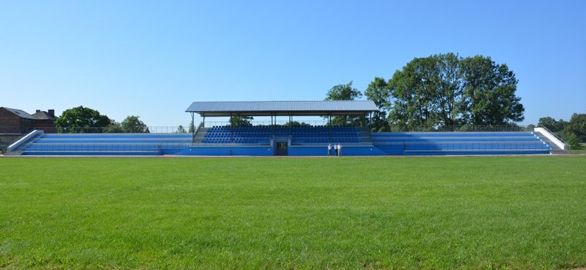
392, 143
445, 143
107, 144
298, 135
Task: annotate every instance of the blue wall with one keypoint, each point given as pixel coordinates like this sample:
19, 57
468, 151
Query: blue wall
347, 150
227, 150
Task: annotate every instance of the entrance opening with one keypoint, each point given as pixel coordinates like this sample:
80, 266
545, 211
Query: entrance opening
281, 149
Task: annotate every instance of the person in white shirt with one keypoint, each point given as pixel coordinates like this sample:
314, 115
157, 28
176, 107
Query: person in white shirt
329, 149
339, 147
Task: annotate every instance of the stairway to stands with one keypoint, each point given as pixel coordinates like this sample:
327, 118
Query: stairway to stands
554, 147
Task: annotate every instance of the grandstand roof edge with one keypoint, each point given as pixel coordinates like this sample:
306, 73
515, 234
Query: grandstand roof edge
225, 108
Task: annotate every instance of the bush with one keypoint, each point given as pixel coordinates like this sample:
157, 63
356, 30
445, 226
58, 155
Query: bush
571, 139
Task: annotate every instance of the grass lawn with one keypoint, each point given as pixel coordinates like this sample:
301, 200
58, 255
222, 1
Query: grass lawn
153, 213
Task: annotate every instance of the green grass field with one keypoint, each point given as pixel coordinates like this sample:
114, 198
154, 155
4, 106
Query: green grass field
207, 213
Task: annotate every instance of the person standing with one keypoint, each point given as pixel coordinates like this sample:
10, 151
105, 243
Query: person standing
329, 149
339, 149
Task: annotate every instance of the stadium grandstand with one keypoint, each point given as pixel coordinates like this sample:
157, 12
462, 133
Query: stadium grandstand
290, 138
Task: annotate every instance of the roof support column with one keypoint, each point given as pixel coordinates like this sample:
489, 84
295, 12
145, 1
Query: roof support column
290, 124
192, 127
230, 129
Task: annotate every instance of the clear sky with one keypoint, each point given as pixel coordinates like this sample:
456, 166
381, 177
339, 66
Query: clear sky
153, 58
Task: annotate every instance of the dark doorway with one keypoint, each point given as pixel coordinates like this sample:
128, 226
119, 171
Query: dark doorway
281, 148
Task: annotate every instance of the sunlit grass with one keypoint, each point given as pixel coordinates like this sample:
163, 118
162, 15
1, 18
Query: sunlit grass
465, 212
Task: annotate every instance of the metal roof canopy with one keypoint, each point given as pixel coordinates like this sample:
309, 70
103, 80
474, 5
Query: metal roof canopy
282, 108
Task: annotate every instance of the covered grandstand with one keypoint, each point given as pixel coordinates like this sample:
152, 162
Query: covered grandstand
290, 138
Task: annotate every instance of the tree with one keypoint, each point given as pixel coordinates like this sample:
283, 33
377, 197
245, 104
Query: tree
426, 93
571, 139
132, 124
447, 91
344, 92
577, 126
378, 91
113, 127
297, 124
551, 124
240, 121
573, 132
81, 119
490, 92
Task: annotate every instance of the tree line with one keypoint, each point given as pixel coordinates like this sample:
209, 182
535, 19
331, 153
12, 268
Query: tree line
573, 132
85, 120
449, 92
441, 92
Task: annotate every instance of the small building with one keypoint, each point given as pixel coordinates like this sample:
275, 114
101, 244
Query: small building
15, 121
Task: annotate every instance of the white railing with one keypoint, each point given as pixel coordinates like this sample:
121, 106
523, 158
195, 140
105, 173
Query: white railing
551, 137
24, 140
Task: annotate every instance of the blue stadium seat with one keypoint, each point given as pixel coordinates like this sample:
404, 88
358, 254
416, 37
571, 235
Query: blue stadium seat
299, 135
459, 143
108, 144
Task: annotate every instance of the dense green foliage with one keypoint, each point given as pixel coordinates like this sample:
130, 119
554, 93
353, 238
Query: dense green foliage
240, 121
446, 91
345, 92
573, 131
378, 91
132, 124
181, 129
293, 213
82, 119
86, 120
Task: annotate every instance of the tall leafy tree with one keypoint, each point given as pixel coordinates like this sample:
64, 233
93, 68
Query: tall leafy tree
552, 124
489, 90
573, 132
446, 91
415, 91
577, 126
113, 127
81, 119
240, 121
132, 124
449, 90
344, 92
378, 91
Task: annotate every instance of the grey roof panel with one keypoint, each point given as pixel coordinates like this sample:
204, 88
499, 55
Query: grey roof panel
294, 107
41, 115
20, 113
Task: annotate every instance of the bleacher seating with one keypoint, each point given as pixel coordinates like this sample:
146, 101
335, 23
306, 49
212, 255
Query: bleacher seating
304, 141
459, 143
298, 135
107, 144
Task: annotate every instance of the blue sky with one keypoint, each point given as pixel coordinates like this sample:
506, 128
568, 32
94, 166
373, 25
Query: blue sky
152, 58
